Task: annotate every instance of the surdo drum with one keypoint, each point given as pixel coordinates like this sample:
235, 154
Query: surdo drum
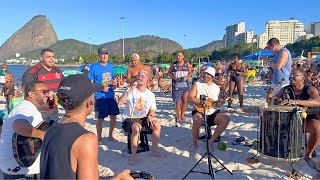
281, 132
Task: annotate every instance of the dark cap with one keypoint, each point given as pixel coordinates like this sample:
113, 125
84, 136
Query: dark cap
103, 50
77, 88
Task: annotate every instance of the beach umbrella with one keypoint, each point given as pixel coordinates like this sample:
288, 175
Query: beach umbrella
70, 72
119, 70
256, 55
164, 66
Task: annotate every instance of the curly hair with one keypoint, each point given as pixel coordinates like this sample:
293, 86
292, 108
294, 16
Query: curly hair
64, 101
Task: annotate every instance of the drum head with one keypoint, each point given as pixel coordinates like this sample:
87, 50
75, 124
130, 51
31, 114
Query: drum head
280, 108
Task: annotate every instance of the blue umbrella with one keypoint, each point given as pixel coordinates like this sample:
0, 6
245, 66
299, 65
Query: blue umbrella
256, 55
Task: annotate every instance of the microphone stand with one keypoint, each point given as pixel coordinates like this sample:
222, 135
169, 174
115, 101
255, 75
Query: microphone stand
210, 172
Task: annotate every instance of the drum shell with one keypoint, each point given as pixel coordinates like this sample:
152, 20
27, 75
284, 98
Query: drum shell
281, 133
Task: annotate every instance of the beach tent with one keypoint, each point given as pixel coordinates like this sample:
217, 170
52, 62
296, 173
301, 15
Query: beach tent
164, 66
251, 63
256, 55
81, 67
70, 72
119, 70
301, 58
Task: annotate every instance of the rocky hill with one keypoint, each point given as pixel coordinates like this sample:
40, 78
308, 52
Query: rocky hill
212, 46
148, 45
152, 45
65, 49
36, 34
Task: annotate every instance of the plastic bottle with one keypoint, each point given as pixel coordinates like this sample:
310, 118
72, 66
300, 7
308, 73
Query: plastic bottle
3, 73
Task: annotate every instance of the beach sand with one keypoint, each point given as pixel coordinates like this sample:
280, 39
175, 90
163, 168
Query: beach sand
175, 143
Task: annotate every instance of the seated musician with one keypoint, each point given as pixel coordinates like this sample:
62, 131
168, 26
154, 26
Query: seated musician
139, 113
69, 151
22, 120
214, 116
304, 95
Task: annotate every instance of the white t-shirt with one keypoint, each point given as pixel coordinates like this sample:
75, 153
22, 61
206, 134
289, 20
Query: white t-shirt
139, 103
211, 91
27, 111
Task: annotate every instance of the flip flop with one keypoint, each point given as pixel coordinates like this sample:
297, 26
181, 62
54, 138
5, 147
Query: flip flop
235, 142
248, 144
238, 140
218, 139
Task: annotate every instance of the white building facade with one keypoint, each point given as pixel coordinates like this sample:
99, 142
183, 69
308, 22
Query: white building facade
286, 31
237, 33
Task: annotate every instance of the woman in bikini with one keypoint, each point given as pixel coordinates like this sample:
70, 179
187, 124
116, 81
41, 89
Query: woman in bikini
237, 73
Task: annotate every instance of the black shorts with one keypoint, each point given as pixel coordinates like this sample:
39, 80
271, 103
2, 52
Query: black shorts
127, 123
210, 118
235, 78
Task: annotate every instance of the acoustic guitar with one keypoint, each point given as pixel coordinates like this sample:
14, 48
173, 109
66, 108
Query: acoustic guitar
200, 108
27, 149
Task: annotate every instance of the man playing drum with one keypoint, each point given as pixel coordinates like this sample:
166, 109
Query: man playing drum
300, 94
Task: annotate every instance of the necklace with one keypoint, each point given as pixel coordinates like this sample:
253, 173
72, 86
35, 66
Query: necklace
68, 118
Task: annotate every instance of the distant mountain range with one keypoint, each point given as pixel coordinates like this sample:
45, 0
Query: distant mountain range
38, 33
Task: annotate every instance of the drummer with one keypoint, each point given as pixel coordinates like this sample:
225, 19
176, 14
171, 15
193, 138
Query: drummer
298, 93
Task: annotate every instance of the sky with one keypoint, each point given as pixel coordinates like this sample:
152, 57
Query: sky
191, 23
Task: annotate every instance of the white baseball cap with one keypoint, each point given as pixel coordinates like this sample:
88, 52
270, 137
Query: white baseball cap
210, 70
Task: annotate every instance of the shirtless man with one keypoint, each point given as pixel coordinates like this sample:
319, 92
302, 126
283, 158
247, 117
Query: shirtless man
219, 69
136, 67
8, 87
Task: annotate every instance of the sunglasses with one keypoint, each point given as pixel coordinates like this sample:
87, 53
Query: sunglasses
142, 76
294, 75
44, 91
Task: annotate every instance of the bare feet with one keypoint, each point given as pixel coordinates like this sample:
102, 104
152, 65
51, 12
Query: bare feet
193, 149
112, 139
132, 161
157, 154
100, 141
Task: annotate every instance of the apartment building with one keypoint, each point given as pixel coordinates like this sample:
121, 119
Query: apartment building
237, 33
286, 31
313, 28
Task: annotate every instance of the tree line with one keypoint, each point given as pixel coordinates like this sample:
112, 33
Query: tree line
226, 53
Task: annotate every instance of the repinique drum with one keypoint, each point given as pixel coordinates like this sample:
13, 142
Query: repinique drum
281, 132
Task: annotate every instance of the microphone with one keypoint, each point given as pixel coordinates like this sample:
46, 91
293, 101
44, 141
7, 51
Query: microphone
139, 82
287, 96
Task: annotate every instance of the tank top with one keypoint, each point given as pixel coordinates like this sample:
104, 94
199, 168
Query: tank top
285, 71
302, 96
180, 72
55, 160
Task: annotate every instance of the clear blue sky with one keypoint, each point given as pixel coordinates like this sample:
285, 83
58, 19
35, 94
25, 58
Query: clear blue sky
201, 21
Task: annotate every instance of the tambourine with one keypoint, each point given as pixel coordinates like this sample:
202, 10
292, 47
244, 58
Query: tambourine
141, 175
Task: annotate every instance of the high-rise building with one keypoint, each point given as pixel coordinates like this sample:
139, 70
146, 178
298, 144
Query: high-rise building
313, 28
237, 33
286, 31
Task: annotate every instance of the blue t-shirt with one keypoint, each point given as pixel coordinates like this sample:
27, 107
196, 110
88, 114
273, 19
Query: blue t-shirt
102, 75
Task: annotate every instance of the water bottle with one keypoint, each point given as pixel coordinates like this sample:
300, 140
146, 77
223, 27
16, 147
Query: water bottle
3, 73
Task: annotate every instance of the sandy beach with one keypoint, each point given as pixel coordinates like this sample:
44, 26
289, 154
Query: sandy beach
175, 143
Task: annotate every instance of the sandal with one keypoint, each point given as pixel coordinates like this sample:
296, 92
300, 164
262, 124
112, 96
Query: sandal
238, 140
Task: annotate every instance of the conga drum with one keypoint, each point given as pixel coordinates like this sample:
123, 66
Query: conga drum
281, 132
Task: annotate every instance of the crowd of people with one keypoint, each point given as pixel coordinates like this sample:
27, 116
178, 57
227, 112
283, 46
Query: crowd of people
70, 151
